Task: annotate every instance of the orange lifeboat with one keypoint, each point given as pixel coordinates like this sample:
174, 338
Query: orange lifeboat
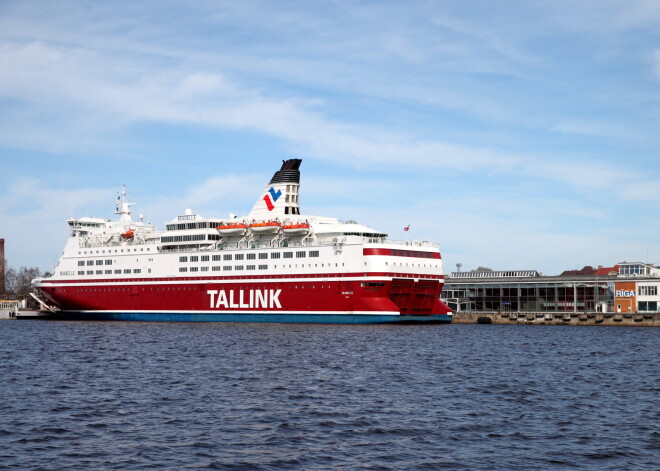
266, 227
296, 229
232, 228
129, 234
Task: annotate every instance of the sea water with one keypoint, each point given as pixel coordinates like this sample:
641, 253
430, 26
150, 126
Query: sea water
173, 396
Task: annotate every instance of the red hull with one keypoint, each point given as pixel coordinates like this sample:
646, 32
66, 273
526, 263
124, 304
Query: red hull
404, 296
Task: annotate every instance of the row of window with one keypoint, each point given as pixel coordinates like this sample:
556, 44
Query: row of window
372, 235
141, 249
411, 253
190, 238
643, 306
246, 267
249, 256
89, 263
193, 225
223, 268
110, 272
634, 270
648, 290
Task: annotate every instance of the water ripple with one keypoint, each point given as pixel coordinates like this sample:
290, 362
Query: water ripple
116, 396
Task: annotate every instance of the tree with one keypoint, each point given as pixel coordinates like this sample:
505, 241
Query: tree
24, 281
10, 280
19, 283
481, 269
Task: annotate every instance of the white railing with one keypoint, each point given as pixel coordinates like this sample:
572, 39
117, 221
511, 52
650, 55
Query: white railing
109, 241
116, 241
409, 243
243, 245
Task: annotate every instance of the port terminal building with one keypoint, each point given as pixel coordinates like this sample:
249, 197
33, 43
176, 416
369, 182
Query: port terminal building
629, 287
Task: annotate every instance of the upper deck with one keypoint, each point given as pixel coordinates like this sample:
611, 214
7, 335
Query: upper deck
272, 231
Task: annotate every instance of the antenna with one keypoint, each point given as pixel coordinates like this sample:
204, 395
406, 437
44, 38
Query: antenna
458, 267
124, 206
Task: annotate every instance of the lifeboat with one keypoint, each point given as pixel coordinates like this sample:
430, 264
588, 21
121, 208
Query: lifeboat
129, 234
232, 228
296, 229
266, 227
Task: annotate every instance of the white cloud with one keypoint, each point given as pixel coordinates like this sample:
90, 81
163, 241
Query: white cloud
602, 16
585, 174
215, 196
45, 202
33, 218
82, 84
595, 128
643, 190
432, 91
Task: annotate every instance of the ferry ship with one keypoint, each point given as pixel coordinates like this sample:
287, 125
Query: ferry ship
273, 265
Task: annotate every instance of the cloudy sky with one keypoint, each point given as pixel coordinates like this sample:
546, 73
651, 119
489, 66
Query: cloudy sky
517, 135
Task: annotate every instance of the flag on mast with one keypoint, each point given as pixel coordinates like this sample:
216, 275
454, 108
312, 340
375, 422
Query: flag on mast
407, 227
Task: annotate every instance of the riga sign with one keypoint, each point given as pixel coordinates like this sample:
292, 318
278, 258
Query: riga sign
624, 293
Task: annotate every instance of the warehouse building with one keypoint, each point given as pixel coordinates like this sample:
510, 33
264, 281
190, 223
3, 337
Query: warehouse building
624, 288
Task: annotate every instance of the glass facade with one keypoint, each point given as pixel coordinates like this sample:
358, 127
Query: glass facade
648, 306
525, 297
634, 269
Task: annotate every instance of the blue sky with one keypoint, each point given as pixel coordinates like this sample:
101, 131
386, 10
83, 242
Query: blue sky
517, 135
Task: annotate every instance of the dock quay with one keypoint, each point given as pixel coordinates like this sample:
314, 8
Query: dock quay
33, 314
558, 318
625, 294
13, 314
9, 307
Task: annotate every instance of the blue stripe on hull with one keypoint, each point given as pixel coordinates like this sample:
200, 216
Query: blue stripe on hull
273, 318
